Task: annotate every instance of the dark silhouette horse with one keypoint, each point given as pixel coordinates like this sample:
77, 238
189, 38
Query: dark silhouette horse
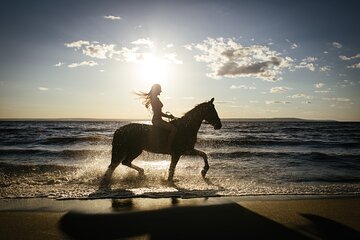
130, 140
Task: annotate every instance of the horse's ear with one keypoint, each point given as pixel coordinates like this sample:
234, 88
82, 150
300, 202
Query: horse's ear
212, 100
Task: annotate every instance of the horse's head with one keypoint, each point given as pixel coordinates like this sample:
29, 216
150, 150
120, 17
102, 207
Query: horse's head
210, 114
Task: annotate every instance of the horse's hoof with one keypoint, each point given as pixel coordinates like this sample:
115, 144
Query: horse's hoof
142, 176
170, 183
203, 173
105, 183
208, 181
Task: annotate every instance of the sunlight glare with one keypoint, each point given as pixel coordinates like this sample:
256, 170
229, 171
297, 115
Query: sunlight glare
153, 70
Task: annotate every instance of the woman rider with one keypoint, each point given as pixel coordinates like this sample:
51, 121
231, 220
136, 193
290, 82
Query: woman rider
151, 98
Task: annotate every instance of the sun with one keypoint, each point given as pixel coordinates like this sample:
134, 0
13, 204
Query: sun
153, 69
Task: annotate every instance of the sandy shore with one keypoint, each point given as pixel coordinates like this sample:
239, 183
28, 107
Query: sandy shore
212, 218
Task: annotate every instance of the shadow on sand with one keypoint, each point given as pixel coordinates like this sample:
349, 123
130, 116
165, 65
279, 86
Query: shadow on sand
325, 228
224, 221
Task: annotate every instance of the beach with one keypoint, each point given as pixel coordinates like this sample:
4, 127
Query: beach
267, 180
253, 217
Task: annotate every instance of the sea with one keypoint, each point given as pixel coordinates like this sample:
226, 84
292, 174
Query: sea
67, 160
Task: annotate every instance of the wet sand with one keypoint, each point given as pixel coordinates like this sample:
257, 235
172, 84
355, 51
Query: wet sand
267, 217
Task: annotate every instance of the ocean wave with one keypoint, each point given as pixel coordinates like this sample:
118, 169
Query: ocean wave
10, 130
329, 179
72, 140
296, 157
256, 141
245, 158
19, 169
63, 154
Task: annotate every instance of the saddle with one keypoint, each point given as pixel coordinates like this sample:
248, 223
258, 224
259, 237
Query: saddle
158, 138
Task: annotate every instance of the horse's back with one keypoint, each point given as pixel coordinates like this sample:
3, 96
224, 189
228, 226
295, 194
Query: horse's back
133, 128
144, 136
132, 134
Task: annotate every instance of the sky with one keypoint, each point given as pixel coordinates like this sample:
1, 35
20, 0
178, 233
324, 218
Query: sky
258, 59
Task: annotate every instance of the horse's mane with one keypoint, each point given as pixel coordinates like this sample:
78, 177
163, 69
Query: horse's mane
194, 109
190, 113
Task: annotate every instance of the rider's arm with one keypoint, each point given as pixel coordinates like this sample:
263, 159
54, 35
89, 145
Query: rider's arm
167, 115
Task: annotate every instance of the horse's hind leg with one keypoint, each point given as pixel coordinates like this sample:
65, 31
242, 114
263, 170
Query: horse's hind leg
105, 181
117, 156
110, 170
129, 158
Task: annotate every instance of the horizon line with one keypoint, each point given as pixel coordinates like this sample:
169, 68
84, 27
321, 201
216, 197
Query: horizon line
145, 119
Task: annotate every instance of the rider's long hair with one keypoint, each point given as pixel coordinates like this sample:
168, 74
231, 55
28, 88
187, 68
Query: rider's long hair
147, 97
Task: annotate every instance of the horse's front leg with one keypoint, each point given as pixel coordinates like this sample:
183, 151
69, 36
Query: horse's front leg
206, 164
174, 161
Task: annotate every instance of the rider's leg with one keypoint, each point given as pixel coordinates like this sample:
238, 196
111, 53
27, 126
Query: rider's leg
171, 137
172, 129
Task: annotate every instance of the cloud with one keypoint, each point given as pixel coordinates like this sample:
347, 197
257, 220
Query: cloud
301, 95
319, 85
228, 58
356, 65
188, 47
188, 98
308, 63
325, 68
239, 106
84, 63
242, 87
276, 102
345, 58
292, 45
131, 54
138, 53
112, 17
144, 41
172, 57
306, 102
76, 44
43, 88
59, 64
101, 51
258, 69
94, 49
225, 102
340, 99
323, 91
336, 45
170, 45
279, 89
346, 83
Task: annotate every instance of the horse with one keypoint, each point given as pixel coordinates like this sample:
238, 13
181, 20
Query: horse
130, 140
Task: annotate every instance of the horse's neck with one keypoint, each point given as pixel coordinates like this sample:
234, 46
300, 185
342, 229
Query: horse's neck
193, 121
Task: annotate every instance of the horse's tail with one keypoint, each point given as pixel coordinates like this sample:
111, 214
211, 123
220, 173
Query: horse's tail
128, 140
118, 151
